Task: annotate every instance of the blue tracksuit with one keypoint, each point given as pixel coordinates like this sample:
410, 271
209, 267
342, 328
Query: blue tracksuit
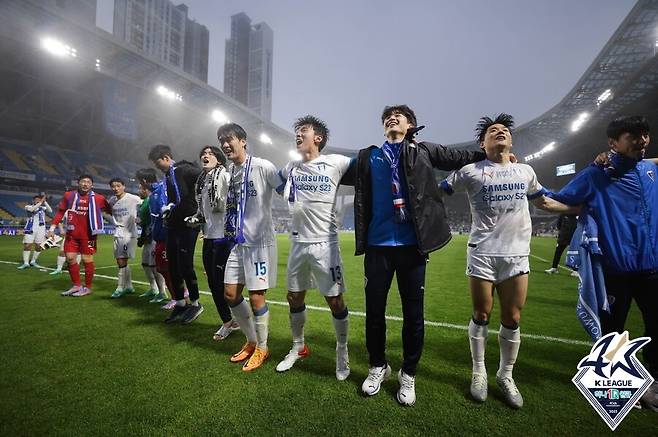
625, 209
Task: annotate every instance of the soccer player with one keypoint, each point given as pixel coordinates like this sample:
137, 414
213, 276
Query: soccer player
84, 221
253, 259
314, 259
622, 198
399, 220
180, 178
566, 225
211, 190
35, 230
124, 214
498, 247
155, 234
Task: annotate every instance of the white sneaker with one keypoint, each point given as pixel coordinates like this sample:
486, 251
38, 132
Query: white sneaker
407, 392
342, 363
225, 330
512, 394
292, 357
373, 383
70, 291
552, 271
479, 387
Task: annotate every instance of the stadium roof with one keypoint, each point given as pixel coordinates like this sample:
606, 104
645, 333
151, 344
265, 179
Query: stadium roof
624, 71
25, 26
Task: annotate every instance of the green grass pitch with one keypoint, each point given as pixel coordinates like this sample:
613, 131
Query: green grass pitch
97, 366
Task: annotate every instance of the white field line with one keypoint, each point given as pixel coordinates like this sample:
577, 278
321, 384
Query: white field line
547, 261
392, 318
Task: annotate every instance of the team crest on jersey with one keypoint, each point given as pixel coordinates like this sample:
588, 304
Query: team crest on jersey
651, 175
611, 378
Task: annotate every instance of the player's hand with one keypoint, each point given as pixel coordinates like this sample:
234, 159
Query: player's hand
166, 210
601, 159
512, 158
50, 234
192, 221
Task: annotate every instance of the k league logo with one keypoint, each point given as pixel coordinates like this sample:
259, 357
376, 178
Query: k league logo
611, 378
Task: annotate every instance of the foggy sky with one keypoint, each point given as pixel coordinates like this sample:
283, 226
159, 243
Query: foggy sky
451, 61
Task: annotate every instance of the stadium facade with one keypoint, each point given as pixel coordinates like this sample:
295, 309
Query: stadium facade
78, 99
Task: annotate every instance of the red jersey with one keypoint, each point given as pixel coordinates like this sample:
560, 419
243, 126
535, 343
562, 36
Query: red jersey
77, 216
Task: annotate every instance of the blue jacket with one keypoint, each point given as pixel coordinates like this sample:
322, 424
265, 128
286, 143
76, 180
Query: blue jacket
624, 206
585, 256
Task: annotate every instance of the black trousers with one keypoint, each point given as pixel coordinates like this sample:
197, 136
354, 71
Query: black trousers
643, 287
559, 250
181, 243
215, 256
380, 263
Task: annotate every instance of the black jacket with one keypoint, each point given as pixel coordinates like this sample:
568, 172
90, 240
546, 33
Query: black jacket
186, 176
425, 205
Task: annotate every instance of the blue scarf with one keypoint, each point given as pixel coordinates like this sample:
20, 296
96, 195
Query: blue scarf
95, 217
30, 222
618, 164
236, 205
171, 175
392, 153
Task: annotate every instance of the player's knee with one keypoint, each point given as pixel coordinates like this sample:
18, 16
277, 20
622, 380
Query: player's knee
511, 319
481, 316
336, 304
295, 300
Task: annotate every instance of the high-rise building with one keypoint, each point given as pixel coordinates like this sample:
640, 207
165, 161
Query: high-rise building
248, 64
161, 30
81, 11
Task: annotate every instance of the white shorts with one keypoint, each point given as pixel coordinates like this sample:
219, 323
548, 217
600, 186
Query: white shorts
253, 266
37, 236
148, 254
312, 265
124, 247
495, 268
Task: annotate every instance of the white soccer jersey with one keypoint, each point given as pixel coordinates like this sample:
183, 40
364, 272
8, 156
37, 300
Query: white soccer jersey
124, 215
263, 180
313, 206
498, 195
214, 225
38, 211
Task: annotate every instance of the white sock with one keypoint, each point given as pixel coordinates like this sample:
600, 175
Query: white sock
128, 282
35, 255
150, 277
477, 335
341, 327
245, 317
181, 303
78, 259
60, 262
262, 323
195, 303
121, 278
26, 257
509, 341
160, 281
297, 321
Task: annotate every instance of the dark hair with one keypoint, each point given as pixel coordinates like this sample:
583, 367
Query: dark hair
87, 176
215, 151
319, 126
231, 130
119, 180
146, 175
160, 151
400, 109
486, 122
635, 125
